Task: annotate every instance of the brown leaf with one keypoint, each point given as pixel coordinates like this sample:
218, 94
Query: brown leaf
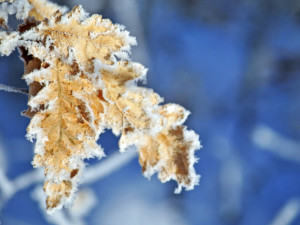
81, 82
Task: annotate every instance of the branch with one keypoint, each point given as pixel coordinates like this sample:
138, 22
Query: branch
93, 173
105, 168
7, 88
287, 213
268, 139
10, 188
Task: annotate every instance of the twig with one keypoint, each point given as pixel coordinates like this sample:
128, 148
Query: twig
268, 139
7, 88
231, 182
10, 188
105, 168
287, 213
94, 173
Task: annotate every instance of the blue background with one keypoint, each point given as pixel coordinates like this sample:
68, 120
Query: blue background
236, 66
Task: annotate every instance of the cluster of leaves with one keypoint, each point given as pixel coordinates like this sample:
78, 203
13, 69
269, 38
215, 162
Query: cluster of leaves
82, 82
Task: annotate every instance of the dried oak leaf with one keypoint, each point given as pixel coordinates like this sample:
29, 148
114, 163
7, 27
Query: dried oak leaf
165, 146
81, 83
69, 113
66, 129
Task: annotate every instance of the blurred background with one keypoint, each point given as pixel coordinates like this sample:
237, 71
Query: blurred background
236, 66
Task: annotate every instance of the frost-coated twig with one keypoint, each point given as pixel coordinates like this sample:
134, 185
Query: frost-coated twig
94, 173
113, 163
287, 213
268, 139
10, 187
6, 185
231, 181
7, 88
27, 179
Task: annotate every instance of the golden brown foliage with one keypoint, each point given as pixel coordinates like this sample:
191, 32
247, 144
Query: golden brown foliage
78, 89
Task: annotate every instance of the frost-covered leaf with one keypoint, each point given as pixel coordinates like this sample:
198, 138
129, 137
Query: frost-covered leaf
82, 82
66, 125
